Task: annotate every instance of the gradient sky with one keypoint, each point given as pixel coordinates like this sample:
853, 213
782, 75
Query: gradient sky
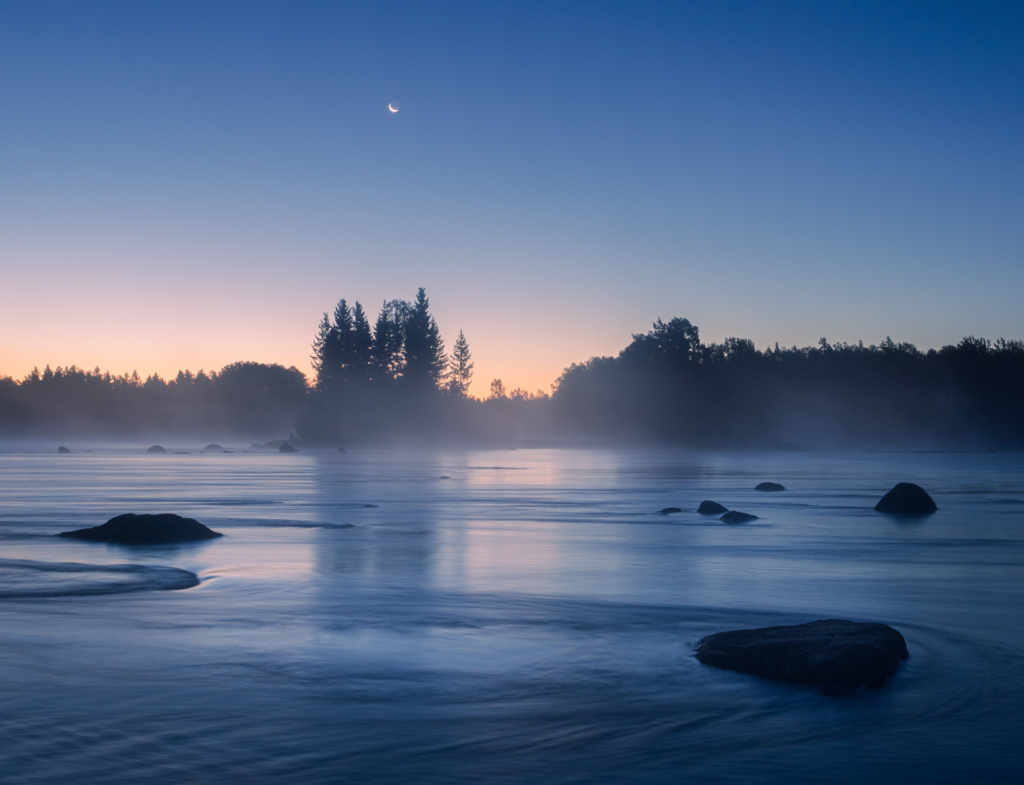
186, 185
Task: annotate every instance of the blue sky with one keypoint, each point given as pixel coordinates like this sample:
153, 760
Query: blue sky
191, 184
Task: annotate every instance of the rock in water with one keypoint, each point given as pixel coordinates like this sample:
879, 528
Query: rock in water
769, 486
156, 448
213, 448
63, 451
711, 508
906, 499
132, 529
669, 510
735, 516
836, 655
286, 448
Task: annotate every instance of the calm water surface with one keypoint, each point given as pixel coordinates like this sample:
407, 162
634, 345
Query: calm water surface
527, 619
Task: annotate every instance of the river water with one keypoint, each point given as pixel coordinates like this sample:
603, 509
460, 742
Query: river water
501, 616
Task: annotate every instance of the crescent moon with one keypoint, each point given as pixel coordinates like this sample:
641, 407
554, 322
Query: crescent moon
394, 106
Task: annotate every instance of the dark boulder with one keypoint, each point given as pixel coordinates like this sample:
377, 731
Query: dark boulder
907, 499
735, 516
711, 508
669, 510
63, 451
836, 655
769, 486
213, 448
156, 448
132, 529
286, 448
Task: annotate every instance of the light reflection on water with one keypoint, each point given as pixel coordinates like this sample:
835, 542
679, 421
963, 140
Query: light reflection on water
528, 619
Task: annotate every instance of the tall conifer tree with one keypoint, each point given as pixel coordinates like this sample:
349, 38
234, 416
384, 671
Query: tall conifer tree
389, 339
425, 361
362, 343
320, 348
460, 368
338, 356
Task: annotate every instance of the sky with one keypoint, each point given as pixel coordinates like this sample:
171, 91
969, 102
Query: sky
185, 185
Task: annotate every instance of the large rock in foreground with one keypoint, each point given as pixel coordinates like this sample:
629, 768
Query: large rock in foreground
132, 529
836, 655
906, 499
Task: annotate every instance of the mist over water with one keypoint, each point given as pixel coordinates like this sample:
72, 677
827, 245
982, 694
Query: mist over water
528, 619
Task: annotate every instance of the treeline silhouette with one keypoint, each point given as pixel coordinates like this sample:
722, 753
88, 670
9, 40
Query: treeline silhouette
242, 400
667, 386
392, 382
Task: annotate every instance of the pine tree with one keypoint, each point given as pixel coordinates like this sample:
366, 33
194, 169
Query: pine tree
460, 368
425, 361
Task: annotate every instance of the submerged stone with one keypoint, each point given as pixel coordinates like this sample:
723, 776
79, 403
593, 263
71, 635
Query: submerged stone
769, 486
132, 529
156, 448
735, 516
834, 654
906, 499
669, 510
711, 508
287, 448
63, 450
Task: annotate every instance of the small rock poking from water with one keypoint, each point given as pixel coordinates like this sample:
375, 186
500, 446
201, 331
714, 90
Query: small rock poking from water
769, 486
670, 510
213, 448
906, 499
156, 448
711, 508
836, 655
63, 451
735, 516
287, 448
132, 529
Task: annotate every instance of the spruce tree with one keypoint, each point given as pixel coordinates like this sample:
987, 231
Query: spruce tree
389, 339
362, 344
425, 362
338, 356
320, 347
460, 368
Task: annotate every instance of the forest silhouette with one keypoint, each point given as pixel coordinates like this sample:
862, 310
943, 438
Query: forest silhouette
394, 383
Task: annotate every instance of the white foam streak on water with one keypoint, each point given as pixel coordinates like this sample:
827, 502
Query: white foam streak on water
529, 619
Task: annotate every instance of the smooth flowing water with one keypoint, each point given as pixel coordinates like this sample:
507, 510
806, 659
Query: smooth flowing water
501, 616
